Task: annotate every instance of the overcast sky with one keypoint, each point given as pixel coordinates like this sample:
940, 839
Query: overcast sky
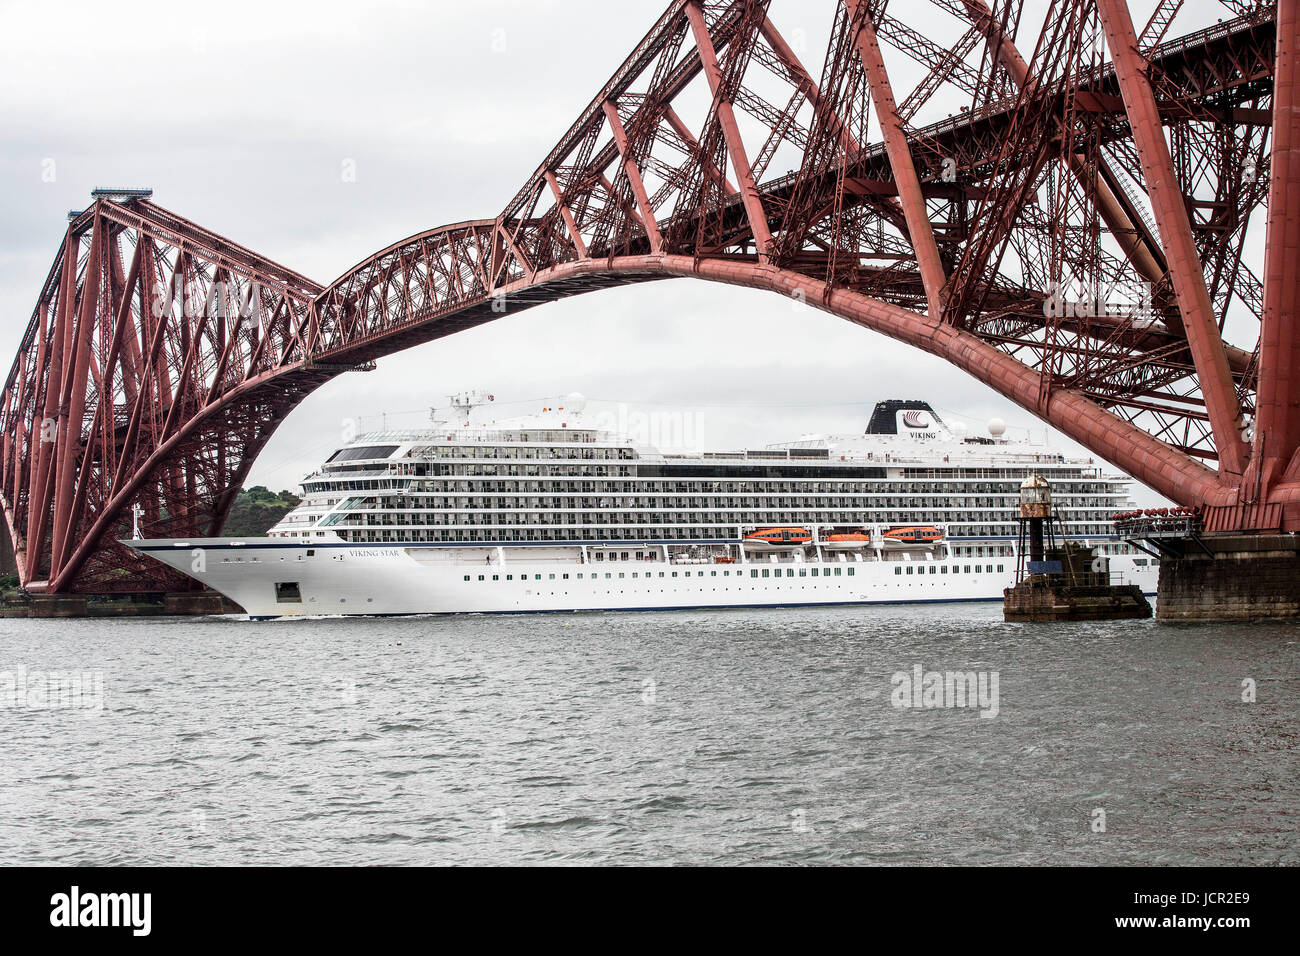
241, 115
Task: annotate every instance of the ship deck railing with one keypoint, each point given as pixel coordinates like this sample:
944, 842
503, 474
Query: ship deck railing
1160, 526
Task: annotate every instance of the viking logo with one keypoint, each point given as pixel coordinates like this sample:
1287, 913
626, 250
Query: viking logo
916, 419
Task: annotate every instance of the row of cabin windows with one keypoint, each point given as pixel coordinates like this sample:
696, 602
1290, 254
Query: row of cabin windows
386, 529
1018, 473
656, 486
515, 452
724, 520
721, 524
614, 533
659, 488
943, 569
956, 508
610, 575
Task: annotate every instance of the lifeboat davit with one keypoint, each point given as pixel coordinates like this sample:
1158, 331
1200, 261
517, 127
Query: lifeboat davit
853, 541
777, 539
912, 536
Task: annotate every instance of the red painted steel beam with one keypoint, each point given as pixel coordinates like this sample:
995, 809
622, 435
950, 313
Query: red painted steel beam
754, 211
574, 235
157, 459
634, 177
1156, 464
1153, 462
1124, 224
38, 504
72, 407
1004, 47
102, 427
82, 366
1199, 321
787, 56
682, 130
919, 229
1277, 402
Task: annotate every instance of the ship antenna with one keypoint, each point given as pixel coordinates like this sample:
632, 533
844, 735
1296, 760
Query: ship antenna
466, 402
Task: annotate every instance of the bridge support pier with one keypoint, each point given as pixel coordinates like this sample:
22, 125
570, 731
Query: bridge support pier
1234, 578
57, 605
198, 602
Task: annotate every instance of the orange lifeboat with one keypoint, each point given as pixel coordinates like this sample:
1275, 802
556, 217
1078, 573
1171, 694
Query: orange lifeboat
852, 541
912, 536
777, 539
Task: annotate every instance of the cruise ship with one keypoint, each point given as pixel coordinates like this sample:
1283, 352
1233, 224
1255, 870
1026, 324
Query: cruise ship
551, 511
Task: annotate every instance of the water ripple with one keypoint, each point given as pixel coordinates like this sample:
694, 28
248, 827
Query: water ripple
731, 737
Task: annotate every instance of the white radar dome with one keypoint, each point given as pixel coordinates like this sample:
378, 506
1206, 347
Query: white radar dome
997, 427
575, 402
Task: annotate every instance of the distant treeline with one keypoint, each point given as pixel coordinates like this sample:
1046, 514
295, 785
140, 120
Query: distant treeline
257, 509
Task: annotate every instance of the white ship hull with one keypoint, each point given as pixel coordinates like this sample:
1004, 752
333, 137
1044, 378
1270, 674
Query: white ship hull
385, 579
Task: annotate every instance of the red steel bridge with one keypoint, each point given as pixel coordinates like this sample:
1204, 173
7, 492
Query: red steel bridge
1077, 235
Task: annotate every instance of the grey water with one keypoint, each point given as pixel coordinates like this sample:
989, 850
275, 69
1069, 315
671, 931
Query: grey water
713, 737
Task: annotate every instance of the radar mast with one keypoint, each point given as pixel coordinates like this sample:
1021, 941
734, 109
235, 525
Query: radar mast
464, 403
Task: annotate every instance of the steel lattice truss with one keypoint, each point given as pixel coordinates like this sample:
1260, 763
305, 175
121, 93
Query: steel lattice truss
1075, 236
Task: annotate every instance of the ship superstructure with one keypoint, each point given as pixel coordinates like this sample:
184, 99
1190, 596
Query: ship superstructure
574, 516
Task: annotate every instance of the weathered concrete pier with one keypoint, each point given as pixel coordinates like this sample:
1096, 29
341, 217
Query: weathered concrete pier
1207, 576
1230, 577
179, 603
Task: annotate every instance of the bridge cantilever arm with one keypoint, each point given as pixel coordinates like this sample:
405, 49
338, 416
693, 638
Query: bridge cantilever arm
910, 196
1203, 336
731, 133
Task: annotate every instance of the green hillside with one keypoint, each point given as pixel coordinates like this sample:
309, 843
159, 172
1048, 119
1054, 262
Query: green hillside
256, 510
